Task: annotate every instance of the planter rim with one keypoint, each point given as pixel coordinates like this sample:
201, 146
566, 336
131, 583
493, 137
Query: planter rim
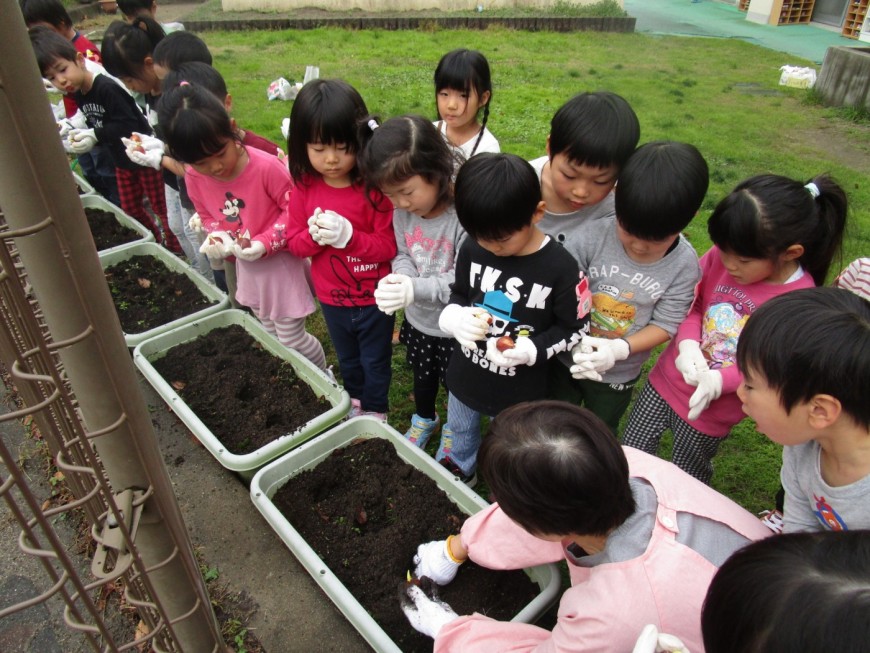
170, 260
85, 185
274, 475
97, 201
245, 465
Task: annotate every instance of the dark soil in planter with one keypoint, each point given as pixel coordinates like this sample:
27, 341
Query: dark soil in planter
148, 294
364, 511
244, 394
106, 229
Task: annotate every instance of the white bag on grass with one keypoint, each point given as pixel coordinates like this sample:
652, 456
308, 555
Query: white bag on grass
797, 77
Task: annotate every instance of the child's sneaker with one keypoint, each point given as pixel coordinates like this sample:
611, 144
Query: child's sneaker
421, 430
371, 413
772, 519
469, 479
355, 408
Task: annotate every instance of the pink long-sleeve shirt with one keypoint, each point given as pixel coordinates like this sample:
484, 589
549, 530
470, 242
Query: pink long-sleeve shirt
721, 308
608, 604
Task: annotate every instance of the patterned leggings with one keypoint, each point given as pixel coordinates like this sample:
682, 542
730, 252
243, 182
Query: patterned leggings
651, 415
133, 187
291, 333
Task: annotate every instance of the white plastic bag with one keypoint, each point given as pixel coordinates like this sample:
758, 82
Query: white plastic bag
281, 89
797, 77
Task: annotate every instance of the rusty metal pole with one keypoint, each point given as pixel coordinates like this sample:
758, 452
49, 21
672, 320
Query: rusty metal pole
62, 265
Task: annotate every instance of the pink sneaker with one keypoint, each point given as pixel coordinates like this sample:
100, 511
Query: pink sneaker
371, 413
355, 408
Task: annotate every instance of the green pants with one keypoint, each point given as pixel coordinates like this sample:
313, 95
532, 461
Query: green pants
609, 401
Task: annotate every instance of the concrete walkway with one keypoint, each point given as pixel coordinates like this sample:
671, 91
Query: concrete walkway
722, 20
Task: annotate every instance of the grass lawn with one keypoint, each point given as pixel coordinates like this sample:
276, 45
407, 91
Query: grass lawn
721, 95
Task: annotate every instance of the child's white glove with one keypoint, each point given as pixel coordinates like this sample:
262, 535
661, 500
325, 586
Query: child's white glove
335, 229
690, 362
394, 291
434, 561
467, 324
146, 152
253, 252
600, 353
426, 615
285, 128
49, 87
523, 352
81, 140
76, 121
195, 223
313, 229
709, 389
652, 641
217, 245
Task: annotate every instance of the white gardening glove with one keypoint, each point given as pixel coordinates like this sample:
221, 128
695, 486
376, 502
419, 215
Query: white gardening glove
433, 560
147, 151
195, 223
426, 615
467, 324
335, 229
652, 641
76, 121
600, 353
313, 229
494, 355
285, 128
81, 140
690, 362
255, 251
49, 87
709, 389
217, 245
523, 353
394, 291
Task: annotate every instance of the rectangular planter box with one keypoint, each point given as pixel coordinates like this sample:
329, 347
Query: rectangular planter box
100, 202
171, 261
84, 185
244, 464
268, 480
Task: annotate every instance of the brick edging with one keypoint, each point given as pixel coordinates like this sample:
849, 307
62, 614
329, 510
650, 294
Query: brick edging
531, 24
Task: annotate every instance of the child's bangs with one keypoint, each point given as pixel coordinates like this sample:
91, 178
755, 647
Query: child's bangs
735, 227
454, 75
333, 126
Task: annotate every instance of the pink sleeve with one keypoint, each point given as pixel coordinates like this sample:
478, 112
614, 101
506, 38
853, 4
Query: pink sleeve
691, 326
495, 541
299, 241
277, 185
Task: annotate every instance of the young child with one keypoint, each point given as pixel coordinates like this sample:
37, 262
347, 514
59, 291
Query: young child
512, 306
591, 137
640, 538
642, 275
463, 89
409, 162
805, 358
772, 235
348, 234
176, 49
111, 114
798, 592
133, 9
241, 195
127, 54
96, 165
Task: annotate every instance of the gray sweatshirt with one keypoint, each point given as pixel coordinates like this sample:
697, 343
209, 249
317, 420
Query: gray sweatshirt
626, 295
427, 249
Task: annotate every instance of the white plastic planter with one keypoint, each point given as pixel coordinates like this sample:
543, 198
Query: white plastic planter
99, 202
244, 464
268, 480
85, 188
212, 293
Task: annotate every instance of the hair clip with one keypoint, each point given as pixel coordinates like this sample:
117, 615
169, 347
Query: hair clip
373, 124
814, 190
184, 82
